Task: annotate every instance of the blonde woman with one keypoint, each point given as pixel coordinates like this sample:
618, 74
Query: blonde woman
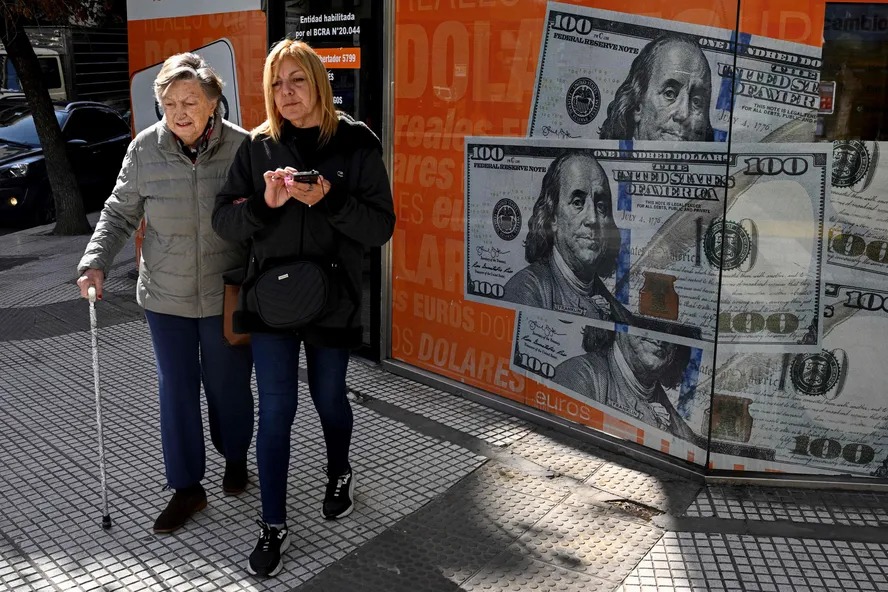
171, 175
347, 208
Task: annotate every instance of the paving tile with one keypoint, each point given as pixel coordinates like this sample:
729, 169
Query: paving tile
494, 427
483, 511
52, 435
800, 505
559, 452
718, 561
646, 485
597, 543
515, 572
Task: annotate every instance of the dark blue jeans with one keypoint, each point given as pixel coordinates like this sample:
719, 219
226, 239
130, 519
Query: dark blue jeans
190, 351
277, 376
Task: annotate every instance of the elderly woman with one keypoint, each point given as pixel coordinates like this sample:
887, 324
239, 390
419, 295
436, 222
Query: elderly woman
332, 217
171, 175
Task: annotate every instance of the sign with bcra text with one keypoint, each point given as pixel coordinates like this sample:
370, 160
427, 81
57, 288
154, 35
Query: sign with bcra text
463, 69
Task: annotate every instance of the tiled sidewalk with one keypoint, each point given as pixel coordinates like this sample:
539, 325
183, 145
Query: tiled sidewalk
451, 495
681, 562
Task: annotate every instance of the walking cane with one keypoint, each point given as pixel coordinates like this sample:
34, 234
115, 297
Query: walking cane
94, 332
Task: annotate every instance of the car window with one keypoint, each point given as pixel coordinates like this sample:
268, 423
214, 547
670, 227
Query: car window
113, 124
94, 125
49, 68
10, 76
17, 125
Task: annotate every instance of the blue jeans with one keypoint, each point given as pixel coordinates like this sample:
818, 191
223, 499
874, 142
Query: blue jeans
190, 351
277, 376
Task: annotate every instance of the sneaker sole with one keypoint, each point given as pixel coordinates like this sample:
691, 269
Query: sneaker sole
343, 515
280, 564
200, 507
351, 508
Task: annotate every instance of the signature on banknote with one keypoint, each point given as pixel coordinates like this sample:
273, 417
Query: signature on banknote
545, 331
546, 339
549, 131
492, 254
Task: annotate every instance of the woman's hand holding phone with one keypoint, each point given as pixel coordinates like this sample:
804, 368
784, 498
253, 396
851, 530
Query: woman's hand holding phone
308, 187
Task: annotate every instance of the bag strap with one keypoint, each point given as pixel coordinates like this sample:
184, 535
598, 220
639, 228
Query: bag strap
249, 260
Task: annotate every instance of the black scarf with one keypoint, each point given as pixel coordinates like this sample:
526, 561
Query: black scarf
202, 142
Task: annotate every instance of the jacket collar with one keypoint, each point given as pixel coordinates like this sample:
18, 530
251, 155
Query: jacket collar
289, 132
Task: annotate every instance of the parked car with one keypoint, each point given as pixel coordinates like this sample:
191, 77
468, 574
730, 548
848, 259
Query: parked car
96, 137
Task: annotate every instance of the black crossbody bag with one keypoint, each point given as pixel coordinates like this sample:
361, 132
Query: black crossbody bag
298, 292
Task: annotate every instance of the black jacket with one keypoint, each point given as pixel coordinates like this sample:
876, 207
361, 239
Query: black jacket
356, 213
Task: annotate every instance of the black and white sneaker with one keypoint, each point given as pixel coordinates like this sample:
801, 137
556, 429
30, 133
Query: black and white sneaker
265, 560
339, 498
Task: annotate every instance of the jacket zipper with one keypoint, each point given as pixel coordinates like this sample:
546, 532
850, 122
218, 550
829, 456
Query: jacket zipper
195, 195
198, 245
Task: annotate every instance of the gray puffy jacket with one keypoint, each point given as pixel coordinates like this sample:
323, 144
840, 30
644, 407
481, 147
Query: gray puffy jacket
183, 259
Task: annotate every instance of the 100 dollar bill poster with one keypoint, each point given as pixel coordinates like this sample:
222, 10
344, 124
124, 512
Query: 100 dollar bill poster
639, 233
616, 76
475, 72
857, 237
823, 412
820, 412
647, 379
659, 382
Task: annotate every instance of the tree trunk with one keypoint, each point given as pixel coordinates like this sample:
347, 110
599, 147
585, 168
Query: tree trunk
70, 214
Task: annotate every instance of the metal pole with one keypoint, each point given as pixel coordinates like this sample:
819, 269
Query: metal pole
388, 125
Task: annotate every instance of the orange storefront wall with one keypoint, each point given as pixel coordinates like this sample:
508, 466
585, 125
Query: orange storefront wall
151, 41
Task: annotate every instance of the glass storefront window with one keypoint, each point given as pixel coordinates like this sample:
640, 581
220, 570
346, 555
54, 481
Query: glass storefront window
663, 222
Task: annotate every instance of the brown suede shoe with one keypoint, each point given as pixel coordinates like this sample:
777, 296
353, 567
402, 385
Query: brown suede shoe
235, 480
183, 505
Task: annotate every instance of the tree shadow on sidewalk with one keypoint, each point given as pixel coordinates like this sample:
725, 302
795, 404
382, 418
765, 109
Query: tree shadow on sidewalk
553, 513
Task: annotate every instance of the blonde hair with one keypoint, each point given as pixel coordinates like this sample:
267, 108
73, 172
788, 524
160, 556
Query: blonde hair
187, 66
318, 84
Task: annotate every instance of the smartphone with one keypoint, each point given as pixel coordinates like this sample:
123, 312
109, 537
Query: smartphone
309, 177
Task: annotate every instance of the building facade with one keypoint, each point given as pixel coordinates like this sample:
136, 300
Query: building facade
661, 226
